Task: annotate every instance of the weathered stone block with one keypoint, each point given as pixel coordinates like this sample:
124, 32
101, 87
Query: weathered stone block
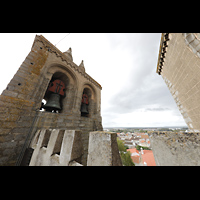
9, 93
7, 124
103, 149
172, 149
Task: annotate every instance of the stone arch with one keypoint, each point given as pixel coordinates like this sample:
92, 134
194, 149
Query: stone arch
55, 67
57, 71
192, 40
92, 96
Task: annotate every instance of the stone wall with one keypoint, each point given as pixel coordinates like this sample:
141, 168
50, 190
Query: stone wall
20, 102
179, 65
57, 147
175, 149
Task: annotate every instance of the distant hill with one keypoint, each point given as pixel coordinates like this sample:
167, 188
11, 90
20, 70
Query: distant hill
157, 127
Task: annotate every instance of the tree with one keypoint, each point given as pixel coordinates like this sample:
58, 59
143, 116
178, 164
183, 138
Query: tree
125, 155
138, 147
121, 145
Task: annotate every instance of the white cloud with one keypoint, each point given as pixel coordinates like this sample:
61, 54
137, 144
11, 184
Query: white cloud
141, 118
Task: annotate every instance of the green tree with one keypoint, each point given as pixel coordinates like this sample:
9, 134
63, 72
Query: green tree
125, 155
144, 148
121, 145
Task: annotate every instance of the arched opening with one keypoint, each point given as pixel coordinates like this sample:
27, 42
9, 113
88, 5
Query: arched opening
70, 80
86, 102
55, 93
91, 107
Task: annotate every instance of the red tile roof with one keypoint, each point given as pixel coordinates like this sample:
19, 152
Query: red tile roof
145, 136
133, 150
135, 159
148, 158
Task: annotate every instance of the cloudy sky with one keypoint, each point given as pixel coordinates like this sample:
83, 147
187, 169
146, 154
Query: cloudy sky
124, 64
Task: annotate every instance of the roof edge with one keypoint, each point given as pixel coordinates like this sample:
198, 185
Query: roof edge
162, 52
161, 42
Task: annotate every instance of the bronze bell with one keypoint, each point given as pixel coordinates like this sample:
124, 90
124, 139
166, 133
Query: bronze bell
84, 108
53, 103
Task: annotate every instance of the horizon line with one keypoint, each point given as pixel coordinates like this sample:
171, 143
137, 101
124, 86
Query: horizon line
145, 127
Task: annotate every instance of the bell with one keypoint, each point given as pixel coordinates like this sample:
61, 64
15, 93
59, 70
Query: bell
84, 108
53, 103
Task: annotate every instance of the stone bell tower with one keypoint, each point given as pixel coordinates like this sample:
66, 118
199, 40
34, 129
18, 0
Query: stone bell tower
45, 96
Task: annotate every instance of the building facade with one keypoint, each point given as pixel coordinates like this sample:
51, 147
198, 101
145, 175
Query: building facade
179, 66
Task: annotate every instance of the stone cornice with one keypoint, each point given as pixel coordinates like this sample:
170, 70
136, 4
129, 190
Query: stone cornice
162, 52
51, 48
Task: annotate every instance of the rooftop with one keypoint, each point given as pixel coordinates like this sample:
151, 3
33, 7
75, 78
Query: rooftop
148, 157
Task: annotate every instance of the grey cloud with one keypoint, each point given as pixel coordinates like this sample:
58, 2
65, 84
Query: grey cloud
144, 87
156, 109
144, 97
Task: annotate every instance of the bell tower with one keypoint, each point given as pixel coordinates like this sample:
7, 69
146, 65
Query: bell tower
48, 92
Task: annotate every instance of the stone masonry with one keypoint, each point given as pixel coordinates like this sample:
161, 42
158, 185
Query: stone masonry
55, 147
179, 66
103, 149
176, 149
20, 102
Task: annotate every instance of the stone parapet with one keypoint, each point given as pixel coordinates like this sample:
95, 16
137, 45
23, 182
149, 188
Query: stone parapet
56, 147
175, 149
103, 149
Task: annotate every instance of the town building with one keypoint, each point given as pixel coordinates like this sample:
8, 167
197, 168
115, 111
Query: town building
133, 139
142, 157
